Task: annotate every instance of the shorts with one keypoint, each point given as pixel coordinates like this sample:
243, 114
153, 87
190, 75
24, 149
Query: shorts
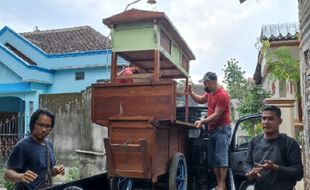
218, 146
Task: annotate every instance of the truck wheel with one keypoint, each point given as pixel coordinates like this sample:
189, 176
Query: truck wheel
178, 173
247, 185
121, 183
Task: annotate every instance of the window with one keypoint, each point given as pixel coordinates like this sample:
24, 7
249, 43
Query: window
30, 107
79, 75
246, 130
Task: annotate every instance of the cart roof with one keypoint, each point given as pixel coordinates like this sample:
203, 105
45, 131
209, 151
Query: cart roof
136, 15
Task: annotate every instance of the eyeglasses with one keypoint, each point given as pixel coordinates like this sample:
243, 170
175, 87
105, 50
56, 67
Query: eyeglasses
42, 125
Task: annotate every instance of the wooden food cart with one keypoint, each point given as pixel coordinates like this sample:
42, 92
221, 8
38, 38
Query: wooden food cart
145, 138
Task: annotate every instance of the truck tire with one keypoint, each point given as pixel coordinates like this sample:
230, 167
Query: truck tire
178, 172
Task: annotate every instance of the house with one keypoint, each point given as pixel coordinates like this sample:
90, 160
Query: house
283, 93
46, 62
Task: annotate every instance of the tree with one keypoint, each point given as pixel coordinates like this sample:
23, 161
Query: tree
253, 102
235, 82
283, 66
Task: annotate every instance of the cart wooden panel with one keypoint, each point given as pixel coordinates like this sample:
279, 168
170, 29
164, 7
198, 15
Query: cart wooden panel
156, 100
143, 134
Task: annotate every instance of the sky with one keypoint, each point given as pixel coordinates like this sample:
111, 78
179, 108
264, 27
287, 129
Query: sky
215, 30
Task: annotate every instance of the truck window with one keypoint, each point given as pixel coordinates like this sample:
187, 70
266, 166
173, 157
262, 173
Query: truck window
247, 129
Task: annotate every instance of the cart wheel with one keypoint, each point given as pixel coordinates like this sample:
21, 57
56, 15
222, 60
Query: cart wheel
178, 173
121, 183
247, 185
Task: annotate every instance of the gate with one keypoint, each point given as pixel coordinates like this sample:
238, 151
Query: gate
10, 132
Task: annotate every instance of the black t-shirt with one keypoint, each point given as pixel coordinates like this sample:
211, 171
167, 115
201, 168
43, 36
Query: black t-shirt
27, 154
283, 151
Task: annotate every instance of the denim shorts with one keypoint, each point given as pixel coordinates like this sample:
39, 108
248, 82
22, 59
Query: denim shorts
219, 140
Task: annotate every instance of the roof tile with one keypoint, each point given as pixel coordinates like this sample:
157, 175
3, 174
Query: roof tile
69, 40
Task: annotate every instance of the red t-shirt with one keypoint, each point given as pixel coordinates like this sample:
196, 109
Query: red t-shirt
218, 99
128, 72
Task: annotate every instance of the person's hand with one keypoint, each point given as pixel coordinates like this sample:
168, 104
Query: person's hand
254, 173
268, 165
28, 177
198, 124
59, 170
188, 90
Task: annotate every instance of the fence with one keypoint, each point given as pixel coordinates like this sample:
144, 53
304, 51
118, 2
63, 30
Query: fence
11, 131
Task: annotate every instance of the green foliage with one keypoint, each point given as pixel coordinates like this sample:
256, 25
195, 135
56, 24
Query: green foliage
8, 185
253, 101
1, 176
283, 66
264, 45
252, 128
232, 111
235, 82
72, 174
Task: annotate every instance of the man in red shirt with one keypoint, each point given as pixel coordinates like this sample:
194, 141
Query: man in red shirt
218, 122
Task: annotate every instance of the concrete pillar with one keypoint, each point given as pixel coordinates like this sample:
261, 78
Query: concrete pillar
287, 108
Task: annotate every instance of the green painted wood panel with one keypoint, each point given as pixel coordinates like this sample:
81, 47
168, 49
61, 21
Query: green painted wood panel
132, 38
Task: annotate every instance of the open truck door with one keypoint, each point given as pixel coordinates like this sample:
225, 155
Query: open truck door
245, 129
